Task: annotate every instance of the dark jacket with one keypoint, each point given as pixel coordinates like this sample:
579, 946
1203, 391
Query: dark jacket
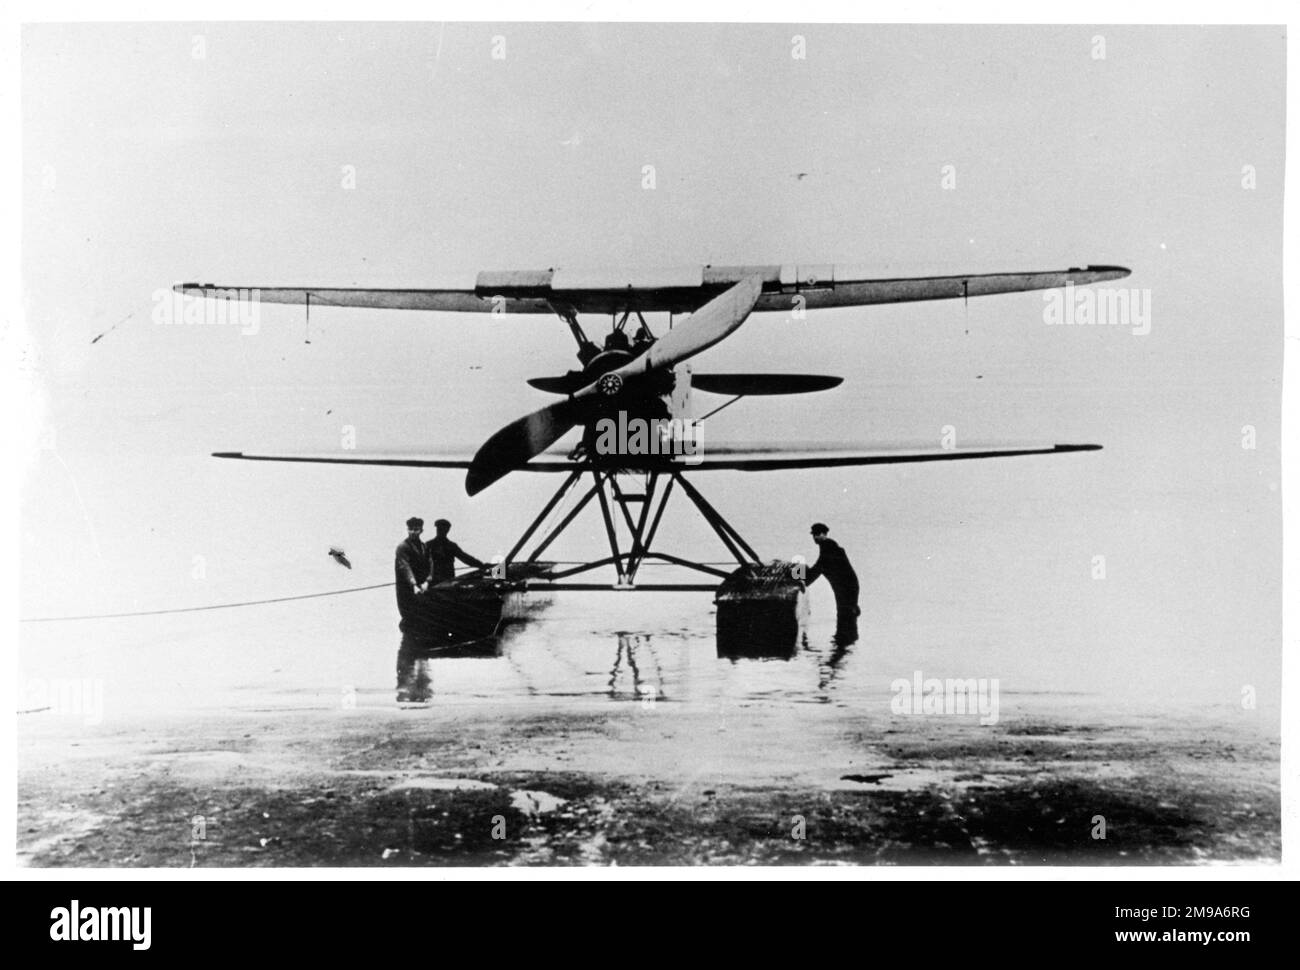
443, 554
833, 563
410, 569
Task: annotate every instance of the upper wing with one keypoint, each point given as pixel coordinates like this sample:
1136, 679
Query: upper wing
682, 290
453, 300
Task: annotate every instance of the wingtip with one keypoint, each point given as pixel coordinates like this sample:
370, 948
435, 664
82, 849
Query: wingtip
1111, 272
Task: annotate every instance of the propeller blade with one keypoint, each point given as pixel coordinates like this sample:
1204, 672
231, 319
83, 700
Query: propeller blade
557, 385
717, 319
744, 385
704, 328
519, 441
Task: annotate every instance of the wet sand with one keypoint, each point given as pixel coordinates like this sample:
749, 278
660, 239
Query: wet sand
604, 766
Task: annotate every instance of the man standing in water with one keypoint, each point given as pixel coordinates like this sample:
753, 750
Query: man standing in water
833, 563
443, 554
411, 568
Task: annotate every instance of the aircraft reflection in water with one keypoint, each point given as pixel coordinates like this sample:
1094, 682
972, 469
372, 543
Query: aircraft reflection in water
637, 672
415, 652
630, 663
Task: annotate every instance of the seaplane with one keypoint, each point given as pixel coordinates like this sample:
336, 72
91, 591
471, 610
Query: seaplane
630, 398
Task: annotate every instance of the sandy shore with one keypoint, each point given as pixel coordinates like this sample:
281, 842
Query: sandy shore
475, 784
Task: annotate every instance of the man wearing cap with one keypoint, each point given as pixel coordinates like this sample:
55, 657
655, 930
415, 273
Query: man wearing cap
443, 554
833, 563
411, 566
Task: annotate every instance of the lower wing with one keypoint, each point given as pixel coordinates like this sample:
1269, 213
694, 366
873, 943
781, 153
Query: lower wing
776, 459
720, 459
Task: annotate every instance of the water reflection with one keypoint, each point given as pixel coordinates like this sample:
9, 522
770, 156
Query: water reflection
565, 662
634, 650
831, 662
414, 683
759, 641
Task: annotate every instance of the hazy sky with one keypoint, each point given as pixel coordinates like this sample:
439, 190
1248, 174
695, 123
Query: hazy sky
145, 164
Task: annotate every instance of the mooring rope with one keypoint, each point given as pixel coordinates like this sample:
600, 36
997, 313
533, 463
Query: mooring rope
278, 599
199, 609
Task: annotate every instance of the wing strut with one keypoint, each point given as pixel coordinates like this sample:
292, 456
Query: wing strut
586, 349
642, 529
724, 404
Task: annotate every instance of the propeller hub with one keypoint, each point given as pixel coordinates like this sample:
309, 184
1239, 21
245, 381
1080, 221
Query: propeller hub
610, 384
